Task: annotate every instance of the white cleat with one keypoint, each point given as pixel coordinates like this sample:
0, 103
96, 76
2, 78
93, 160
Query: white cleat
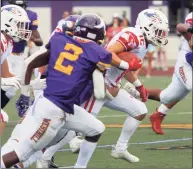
124, 155
75, 144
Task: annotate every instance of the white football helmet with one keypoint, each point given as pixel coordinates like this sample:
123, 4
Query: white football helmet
154, 25
15, 22
189, 19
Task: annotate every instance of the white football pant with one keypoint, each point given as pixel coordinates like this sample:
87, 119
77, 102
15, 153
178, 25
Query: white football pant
181, 83
44, 123
123, 102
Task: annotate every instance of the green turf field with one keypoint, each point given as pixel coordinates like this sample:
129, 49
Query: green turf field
171, 149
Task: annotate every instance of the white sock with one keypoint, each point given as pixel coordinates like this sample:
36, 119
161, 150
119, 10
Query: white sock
163, 109
33, 158
85, 154
49, 153
129, 127
2, 163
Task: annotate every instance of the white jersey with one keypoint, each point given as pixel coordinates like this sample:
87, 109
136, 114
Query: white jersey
133, 41
6, 47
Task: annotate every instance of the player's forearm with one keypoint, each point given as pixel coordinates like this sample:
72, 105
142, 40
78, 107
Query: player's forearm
36, 38
131, 77
38, 42
38, 59
182, 28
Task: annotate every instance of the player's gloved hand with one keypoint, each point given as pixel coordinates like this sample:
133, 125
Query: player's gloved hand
131, 90
135, 64
190, 29
143, 93
11, 81
22, 104
142, 90
38, 84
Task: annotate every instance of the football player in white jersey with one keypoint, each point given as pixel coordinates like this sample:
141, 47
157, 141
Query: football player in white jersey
151, 28
181, 84
14, 24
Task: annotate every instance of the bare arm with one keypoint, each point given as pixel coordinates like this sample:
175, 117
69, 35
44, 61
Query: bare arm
36, 38
36, 60
182, 28
115, 49
131, 77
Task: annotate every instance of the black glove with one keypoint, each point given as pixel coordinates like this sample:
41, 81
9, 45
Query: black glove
190, 30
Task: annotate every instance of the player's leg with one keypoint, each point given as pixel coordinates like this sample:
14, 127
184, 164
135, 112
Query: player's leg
180, 86
61, 139
4, 118
136, 110
39, 130
90, 127
93, 106
169, 97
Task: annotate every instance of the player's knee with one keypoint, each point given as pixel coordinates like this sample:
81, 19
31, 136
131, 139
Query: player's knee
143, 109
93, 139
98, 129
8, 147
189, 85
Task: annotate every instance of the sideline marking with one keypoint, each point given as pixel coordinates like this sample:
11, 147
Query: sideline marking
167, 126
171, 148
139, 143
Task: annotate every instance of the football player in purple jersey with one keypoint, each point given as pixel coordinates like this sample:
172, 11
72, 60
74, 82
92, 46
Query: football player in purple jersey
71, 62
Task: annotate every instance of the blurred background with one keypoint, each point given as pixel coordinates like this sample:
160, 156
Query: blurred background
118, 15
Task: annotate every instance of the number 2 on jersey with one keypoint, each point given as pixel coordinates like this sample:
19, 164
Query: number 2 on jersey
66, 55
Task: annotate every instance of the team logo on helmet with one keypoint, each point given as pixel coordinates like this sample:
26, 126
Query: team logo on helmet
153, 17
12, 10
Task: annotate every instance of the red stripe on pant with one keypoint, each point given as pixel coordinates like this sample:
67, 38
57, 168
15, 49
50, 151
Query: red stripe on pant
86, 103
1, 118
92, 104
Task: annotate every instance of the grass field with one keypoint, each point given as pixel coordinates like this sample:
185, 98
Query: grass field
154, 151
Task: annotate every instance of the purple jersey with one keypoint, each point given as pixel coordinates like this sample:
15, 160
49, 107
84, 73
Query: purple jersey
189, 58
18, 47
70, 69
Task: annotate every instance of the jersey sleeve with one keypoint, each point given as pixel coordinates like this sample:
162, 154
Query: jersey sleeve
34, 21
129, 40
105, 59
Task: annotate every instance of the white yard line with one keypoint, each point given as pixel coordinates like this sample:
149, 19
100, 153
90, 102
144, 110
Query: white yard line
141, 143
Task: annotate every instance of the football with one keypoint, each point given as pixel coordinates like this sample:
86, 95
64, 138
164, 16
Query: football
127, 56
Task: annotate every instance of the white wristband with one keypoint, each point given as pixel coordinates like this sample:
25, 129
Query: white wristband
124, 65
25, 90
137, 83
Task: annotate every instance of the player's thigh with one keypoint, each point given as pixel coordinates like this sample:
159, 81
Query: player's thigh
183, 70
93, 105
124, 102
174, 92
40, 128
84, 122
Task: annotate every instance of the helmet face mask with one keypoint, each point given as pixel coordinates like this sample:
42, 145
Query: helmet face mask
15, 22
154, 26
